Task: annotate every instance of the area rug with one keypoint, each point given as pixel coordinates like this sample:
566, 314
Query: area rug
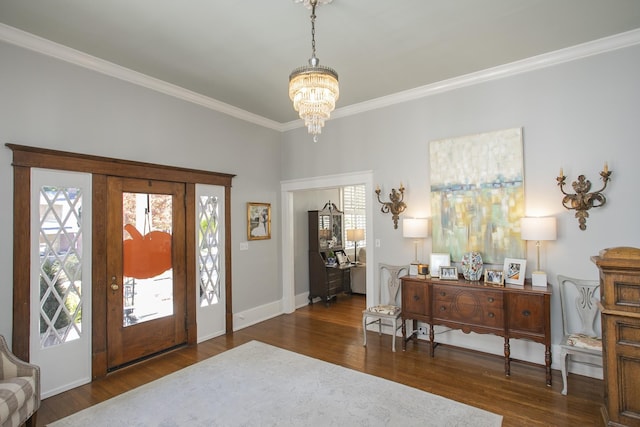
257, 384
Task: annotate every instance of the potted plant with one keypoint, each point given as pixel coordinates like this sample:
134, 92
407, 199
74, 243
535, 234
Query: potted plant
331, 258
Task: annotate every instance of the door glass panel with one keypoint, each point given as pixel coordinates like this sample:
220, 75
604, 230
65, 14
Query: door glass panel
60, 265
147, 260
208, 250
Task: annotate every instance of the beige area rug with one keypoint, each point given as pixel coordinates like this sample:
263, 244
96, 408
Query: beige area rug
257, 384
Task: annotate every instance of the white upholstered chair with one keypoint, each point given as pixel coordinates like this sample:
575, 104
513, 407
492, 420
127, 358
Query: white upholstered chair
389, 313
580, 318
359, 273
19, 389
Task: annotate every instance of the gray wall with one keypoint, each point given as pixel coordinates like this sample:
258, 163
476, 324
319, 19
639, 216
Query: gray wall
48, 103
575, 115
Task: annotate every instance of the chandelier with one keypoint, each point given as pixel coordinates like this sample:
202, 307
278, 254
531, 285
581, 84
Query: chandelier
314, 88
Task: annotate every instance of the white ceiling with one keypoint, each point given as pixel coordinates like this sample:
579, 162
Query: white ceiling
240, 52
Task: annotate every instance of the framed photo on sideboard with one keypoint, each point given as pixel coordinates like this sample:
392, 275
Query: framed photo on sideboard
439, 260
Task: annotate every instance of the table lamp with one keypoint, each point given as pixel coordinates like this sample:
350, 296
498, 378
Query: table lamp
538, 229
417, 229
355, 235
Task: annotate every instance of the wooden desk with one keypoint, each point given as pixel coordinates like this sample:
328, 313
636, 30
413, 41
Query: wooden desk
327, 281
509, 312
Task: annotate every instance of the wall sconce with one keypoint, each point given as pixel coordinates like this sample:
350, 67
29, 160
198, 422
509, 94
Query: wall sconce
395, 205
582, 200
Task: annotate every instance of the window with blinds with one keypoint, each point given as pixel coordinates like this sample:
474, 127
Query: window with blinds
354, 211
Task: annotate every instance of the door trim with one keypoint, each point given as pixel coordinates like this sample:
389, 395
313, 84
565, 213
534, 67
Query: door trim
25, 158
287, 190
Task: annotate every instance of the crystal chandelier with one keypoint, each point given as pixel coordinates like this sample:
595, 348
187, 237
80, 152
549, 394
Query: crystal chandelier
314, 88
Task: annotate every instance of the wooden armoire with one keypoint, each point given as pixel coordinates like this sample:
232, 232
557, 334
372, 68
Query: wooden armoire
620, 299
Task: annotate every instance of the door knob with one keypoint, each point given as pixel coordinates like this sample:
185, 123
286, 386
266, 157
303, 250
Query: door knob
114, 285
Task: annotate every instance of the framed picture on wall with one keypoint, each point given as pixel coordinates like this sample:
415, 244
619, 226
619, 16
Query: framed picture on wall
258, 221
514, 270
493, 170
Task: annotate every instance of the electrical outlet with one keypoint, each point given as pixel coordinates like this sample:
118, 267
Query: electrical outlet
422, 330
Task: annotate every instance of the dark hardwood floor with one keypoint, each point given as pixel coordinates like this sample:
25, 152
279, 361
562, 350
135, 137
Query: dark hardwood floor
334, 334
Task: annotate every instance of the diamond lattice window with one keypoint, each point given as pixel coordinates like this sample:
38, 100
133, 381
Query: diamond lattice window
60, 265
208, 250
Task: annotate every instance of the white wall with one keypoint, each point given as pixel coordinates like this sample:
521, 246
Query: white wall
48, 103
575, 115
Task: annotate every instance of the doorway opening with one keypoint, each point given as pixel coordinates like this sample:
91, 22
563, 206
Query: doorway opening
295, 242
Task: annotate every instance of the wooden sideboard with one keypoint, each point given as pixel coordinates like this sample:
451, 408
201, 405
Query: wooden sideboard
620, 305
509, 312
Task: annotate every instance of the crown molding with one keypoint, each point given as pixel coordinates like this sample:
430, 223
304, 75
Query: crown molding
47, 47
596, 47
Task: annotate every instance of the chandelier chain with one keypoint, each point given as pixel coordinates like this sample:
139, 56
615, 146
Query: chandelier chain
313, 28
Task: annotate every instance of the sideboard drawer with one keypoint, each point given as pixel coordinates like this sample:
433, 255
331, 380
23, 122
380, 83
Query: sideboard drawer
626, 293
415, 298
527, 313
470, 306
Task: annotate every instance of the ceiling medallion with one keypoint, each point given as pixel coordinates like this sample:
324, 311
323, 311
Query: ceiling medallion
307, 3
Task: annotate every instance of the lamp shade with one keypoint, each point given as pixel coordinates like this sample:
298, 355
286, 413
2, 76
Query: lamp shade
538, 228
416, 228
355, 235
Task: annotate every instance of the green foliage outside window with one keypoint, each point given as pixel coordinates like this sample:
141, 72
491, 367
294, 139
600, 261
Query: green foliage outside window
62, 292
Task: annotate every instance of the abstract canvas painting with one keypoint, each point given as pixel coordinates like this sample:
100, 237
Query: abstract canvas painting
477, 195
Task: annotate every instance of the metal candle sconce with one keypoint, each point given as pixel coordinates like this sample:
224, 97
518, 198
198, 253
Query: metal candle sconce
583, 200
395, 205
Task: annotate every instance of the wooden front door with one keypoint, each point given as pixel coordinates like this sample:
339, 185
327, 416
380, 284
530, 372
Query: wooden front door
146, 268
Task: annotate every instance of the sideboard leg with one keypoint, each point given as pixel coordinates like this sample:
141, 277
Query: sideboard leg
432, 338
547, 362
414, 331
507, 357
404, 334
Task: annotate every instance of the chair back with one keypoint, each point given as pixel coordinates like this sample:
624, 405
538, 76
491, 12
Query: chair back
579, 302
390, 277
